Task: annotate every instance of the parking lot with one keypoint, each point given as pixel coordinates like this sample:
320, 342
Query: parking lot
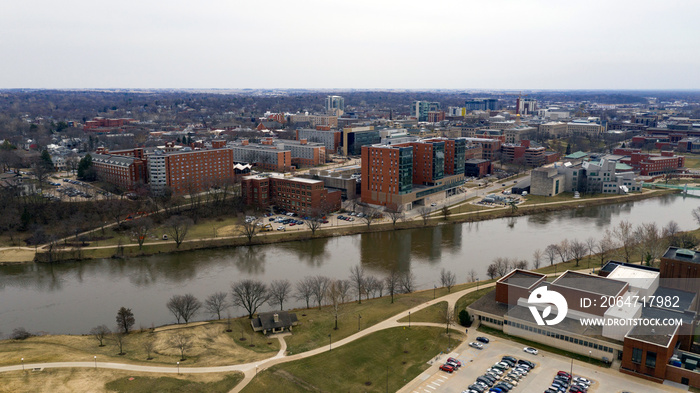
475, 362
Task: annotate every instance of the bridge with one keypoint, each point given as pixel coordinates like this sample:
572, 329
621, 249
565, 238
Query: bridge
689, 191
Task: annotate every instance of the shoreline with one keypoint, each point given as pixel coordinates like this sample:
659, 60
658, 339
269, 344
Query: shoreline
149, 249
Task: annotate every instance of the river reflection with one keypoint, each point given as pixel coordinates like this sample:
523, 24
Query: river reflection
76, 296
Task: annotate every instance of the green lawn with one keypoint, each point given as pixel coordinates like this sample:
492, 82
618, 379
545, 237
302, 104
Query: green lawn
385, 360
434, 313
172, 385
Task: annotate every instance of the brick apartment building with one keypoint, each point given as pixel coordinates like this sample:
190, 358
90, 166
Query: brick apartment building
413, 173
324, 135
303, 152
123, 171
264, 156
490, 147
651, 164
293, 194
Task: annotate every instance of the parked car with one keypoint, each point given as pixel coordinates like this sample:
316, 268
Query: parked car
281, 228
476, 345
483, 340
530, 350
447, 368
459, 364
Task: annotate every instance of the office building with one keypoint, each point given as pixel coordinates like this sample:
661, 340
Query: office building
334, 103
356, 137
420, 109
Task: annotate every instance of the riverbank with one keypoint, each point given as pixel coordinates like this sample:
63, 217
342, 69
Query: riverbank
303, 233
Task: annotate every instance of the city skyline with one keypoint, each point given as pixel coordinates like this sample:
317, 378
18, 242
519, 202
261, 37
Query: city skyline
366, 45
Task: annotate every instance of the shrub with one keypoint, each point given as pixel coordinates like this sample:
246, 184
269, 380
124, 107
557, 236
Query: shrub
464, 319
20, 334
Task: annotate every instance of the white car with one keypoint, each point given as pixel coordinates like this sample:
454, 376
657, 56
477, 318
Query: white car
530, 350
281, 228
476, 345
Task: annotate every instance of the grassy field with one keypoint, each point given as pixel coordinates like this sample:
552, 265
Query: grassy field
382, 361
541, 347
104, 380
434, 313
211, 346
315, 324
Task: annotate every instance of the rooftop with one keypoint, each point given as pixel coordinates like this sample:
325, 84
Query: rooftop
576, 155
521, 278
661, 335
589, 283
635, 277
682, 254
488, 304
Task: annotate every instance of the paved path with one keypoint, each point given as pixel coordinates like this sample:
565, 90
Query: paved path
251, 369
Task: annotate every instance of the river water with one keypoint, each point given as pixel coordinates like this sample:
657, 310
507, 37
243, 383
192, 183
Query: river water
74, 297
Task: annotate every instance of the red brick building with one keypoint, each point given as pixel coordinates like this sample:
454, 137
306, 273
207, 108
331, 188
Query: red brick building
294, 194
655, 164
122, 171
101, 122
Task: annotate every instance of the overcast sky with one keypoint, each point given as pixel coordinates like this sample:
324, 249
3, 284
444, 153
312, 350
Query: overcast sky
486, 44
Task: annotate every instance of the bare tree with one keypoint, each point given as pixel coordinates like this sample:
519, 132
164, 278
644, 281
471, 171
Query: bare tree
250, 228
177, 227
369, 215
392, 283
395, 213
184, 306
148, 346
250, 295
140, 230
563, 250
671, 230
125, 320
448, 279
424, 212
536, 258
696, 215
649, 242
216, 303
315, 220
304, 290
471, 275
577, 249
336, 292
100, 333
604, 247
551, 252
279, 292
448, 317
492, 271
407, 282
119, 340
624, 234
319, 286
357, 278
590, 245
372, 286
445, 212
182, 342
521, 264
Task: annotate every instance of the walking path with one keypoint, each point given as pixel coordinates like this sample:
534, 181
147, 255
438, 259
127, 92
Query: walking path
251, 369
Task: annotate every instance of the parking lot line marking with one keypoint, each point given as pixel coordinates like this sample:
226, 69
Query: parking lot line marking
431, 388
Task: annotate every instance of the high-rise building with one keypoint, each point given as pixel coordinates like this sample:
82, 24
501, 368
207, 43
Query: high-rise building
356, 137
526, 106
481, 104
420, 109
335, 102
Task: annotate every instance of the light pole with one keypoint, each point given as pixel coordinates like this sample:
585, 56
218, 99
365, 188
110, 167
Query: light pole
22, 364
409, 319
256, 370
589, 356
434, 289
477, 284
330, 343
95, 362
359, 318
178, 368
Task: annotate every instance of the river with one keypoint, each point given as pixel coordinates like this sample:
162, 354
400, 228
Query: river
76, 296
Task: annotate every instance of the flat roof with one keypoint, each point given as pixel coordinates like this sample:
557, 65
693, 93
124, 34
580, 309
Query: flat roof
685, 298
589, 283
521, 278
635, 277
487, 304
660, 334
578, 154
568, 326
682, 254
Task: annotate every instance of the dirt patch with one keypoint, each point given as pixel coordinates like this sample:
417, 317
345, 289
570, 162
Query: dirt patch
16, 255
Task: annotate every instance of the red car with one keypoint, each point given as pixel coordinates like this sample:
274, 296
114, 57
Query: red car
455, 361
564, 374
448, 368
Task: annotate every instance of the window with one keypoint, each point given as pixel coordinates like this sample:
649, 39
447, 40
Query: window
636, 355
651, 359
